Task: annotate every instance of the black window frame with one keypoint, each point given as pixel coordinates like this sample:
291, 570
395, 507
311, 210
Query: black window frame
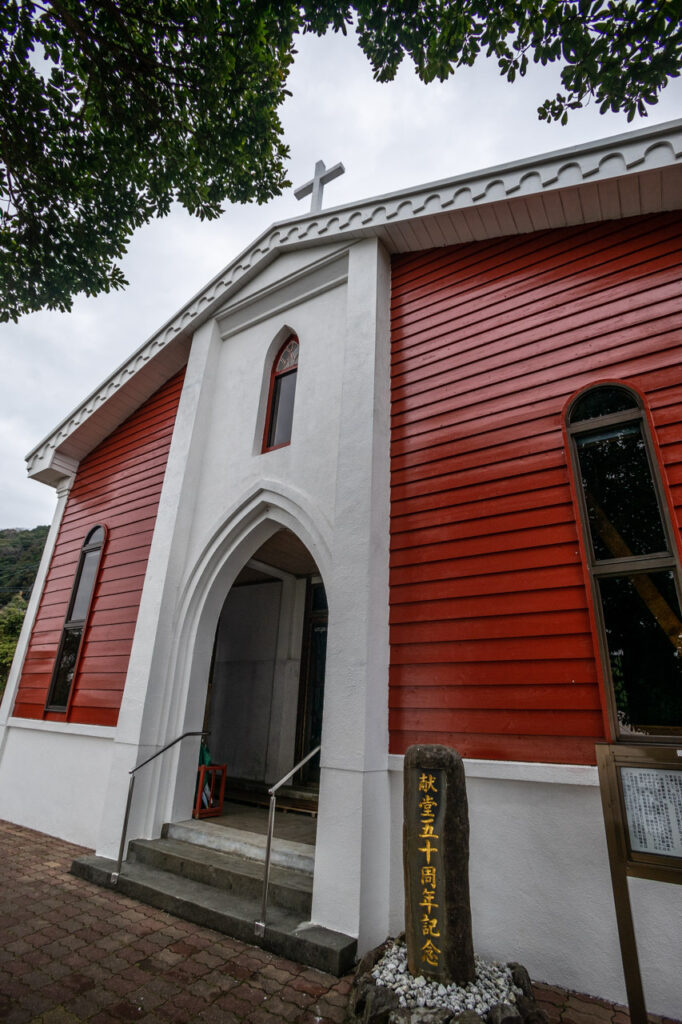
95, 541
602, 568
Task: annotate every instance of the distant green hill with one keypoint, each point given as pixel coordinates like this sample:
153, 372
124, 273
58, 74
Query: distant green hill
20, 552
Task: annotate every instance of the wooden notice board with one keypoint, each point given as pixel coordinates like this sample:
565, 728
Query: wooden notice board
641, 791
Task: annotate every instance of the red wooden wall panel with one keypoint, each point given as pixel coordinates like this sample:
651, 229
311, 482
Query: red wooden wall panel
492, 649
118, 486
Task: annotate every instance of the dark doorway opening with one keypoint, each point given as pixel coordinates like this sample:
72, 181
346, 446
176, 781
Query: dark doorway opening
311, 690
266, 690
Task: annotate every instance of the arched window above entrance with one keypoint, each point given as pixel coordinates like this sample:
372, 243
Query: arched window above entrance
632, 562
280, 411
73, 631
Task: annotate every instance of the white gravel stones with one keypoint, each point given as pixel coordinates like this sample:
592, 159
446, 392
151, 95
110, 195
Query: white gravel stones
493, 985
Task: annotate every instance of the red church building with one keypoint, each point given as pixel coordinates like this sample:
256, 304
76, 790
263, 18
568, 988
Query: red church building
407, 471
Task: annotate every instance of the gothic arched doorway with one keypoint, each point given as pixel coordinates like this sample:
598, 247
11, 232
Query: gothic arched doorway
266, 687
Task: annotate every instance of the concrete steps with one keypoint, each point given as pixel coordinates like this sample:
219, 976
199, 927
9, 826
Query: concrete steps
248, 845
288, 888
220, 886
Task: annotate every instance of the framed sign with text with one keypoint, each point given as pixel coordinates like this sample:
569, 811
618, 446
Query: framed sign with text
641, 793
642, 796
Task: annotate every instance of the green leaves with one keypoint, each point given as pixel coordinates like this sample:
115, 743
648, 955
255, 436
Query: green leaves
619, 53
20, 552
11, 619
111, 110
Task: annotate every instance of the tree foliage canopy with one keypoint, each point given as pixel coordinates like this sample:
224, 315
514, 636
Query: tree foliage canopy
20, 553
11, 620
111, 110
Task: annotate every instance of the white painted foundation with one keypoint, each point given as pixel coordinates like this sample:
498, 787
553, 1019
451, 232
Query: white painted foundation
54, 786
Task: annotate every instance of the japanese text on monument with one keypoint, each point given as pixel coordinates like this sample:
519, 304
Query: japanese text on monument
429, 866
436, 865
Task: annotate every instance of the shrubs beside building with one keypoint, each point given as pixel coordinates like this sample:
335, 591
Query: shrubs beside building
20, 552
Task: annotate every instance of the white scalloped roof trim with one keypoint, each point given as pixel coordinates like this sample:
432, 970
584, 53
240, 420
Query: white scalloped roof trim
645, 149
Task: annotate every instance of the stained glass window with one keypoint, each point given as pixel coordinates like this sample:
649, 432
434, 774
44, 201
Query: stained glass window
288, 359
280, 416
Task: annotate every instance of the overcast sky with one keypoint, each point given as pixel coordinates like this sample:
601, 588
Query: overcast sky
388, 136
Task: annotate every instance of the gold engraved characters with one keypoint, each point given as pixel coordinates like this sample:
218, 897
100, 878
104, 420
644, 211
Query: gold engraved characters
436, 865
428, 806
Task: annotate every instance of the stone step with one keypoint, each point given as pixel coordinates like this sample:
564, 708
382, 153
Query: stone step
287, 887
284, 853
289, 798
285, 934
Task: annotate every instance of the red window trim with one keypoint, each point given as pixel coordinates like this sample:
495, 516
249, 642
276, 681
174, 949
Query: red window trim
273, 376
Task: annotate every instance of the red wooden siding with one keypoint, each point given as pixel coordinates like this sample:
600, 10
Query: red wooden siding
492, 649
117, 486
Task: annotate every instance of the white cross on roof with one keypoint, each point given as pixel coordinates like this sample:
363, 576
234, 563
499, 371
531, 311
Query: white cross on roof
315, 186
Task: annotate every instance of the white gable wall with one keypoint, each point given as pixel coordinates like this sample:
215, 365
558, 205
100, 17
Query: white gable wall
231, 462
222, 499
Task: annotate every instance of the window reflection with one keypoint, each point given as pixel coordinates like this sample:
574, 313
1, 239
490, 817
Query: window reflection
74, 627
602, 401
282, 417
619, 490
644, 641
632, 563
66, 667
85, 584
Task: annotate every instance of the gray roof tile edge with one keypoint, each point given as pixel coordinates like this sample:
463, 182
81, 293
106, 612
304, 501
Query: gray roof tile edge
632, 152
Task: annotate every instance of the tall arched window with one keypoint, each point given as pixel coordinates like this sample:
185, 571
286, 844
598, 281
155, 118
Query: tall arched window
280, 414
632, 562
70, 645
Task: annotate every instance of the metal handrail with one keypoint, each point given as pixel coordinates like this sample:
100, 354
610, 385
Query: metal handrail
131, 785
259, 926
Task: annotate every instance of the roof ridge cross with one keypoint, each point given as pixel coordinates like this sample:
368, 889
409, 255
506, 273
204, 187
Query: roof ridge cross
315, 186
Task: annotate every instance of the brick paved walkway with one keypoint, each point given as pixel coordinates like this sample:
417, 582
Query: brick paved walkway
70, 952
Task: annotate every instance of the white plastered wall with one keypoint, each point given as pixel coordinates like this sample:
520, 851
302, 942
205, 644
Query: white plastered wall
540, 883
53, 778
221, 500
352, 853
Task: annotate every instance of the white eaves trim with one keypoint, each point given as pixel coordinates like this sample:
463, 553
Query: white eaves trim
635, 173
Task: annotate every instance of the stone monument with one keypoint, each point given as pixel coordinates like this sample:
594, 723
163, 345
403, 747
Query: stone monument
436, 866
432, 977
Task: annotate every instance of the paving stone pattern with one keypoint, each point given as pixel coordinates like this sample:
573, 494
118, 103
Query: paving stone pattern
71, 952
